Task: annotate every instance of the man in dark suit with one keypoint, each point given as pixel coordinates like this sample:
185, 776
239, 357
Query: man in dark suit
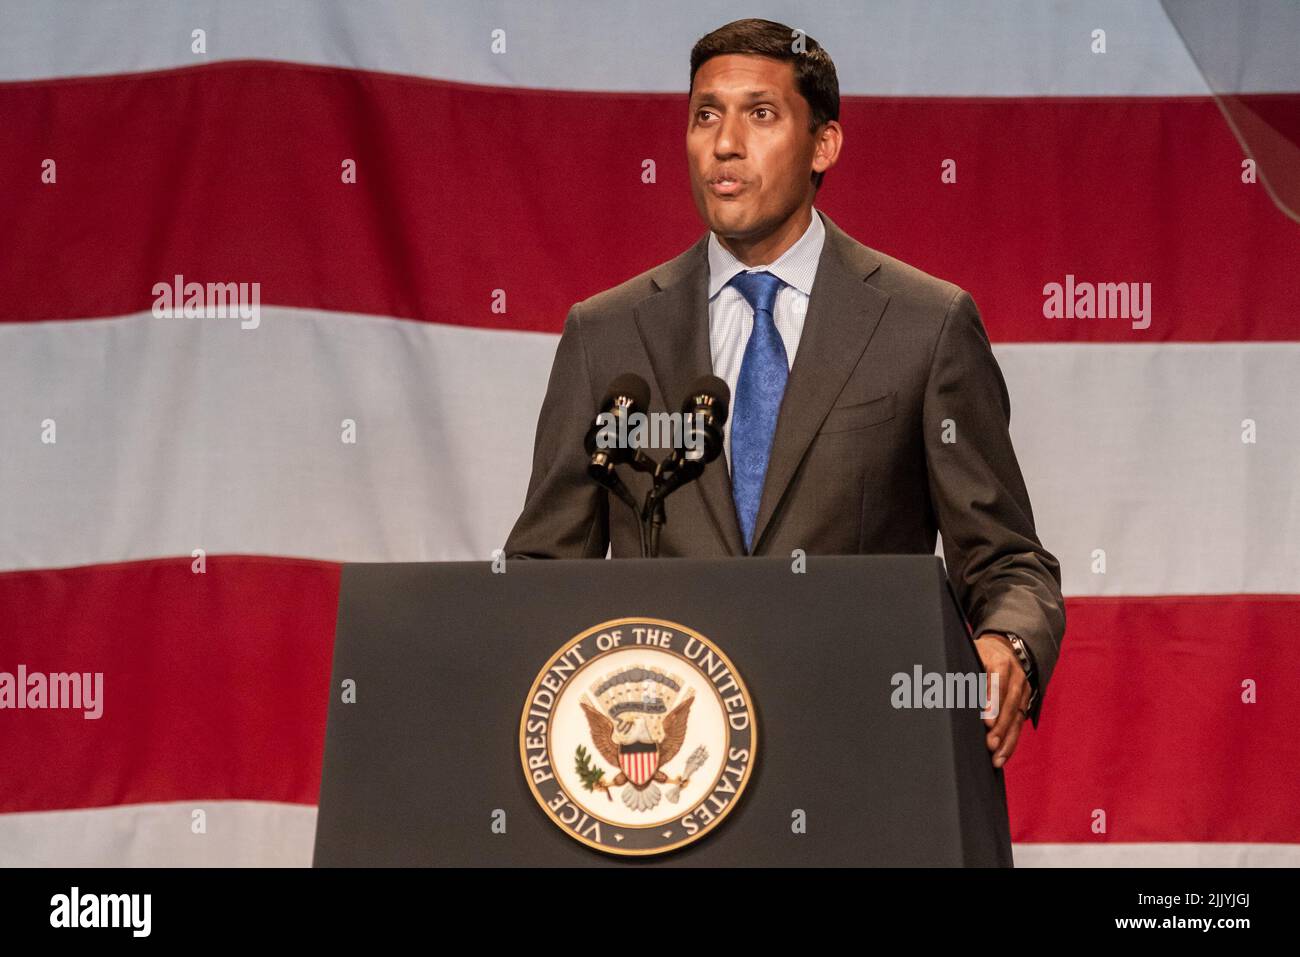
868, 410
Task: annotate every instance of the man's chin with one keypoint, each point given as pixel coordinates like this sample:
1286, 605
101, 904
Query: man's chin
731, 221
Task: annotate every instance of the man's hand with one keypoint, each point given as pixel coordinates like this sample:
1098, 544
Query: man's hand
999, 658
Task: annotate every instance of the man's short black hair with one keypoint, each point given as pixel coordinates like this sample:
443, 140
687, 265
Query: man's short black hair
814, 71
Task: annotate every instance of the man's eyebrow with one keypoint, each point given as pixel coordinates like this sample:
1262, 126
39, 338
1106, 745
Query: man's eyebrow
712, 96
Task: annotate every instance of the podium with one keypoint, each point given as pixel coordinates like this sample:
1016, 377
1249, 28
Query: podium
435, 666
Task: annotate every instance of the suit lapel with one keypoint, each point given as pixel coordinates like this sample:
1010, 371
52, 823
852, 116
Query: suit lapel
674, 328
843, 312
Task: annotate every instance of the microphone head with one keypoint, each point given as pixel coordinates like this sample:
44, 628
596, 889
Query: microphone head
704, 410
710, 391
631, 386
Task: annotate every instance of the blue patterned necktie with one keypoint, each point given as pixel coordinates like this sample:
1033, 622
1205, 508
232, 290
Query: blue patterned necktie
759, 389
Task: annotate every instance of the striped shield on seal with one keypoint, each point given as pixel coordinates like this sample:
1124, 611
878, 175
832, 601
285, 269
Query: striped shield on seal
639, 762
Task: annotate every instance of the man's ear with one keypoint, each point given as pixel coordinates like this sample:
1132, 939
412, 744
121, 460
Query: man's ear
830, 140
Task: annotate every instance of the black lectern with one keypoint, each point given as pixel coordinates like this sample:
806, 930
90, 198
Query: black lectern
438, 667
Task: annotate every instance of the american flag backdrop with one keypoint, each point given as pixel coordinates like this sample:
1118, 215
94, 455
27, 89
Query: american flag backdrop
420, 190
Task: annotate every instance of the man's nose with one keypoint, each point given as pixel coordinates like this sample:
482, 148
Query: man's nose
731, 137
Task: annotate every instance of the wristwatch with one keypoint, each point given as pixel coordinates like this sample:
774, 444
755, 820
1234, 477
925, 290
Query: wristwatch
1027, 662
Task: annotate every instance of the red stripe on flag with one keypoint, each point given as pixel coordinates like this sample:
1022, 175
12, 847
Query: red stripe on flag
1144, 721
216, 687
463, 190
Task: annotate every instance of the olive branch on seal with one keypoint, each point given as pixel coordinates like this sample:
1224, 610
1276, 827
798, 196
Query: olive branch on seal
591, 775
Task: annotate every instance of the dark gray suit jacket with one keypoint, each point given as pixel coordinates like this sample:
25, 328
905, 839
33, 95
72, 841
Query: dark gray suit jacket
893, 426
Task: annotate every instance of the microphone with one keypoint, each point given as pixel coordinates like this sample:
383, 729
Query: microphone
704, 414
628, 394
703, 417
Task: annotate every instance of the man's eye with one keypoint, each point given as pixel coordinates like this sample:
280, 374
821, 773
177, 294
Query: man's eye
763, 109
701, 113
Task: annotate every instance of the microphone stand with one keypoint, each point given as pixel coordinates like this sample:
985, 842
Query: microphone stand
650, 516
603, 473
667, 480
649, 535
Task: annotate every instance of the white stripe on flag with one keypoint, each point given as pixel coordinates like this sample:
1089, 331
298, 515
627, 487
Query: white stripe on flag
238, 834
1156, 855
1132, 449
265, 834
939, 48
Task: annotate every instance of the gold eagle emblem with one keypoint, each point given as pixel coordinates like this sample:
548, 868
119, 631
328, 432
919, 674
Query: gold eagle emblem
638, 727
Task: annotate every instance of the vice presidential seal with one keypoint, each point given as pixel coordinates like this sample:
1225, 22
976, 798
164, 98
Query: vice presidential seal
638, 736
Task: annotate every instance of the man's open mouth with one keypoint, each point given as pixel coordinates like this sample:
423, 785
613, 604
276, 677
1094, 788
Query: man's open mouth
726, 187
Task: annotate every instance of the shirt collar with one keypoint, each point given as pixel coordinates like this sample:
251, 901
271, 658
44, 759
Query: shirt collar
796, 267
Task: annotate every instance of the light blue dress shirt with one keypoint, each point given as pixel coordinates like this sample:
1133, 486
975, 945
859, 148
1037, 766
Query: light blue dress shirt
731, 318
